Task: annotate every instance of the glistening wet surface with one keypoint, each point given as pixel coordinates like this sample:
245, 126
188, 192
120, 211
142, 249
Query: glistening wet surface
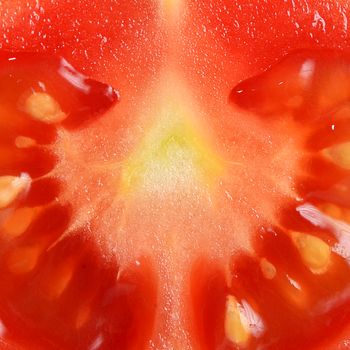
115, 238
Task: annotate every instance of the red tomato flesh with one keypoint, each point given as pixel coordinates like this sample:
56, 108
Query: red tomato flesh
192, 214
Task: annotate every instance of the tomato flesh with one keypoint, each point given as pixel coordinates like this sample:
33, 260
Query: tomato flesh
163, 193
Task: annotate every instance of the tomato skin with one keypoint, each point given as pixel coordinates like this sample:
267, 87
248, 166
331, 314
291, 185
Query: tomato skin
128, 45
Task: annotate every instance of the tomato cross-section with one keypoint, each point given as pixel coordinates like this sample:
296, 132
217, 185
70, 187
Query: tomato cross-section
174, 174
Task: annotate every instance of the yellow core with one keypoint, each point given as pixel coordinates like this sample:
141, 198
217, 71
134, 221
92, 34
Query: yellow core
174, 152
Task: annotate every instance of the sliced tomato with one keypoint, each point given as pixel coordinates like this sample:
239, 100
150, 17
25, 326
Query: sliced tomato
208, 208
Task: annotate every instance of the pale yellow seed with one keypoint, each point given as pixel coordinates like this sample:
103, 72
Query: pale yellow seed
18, 222
235, 323
315, 253
24, 142
22, 260
43, 107
339, 154
268, 269
10, 189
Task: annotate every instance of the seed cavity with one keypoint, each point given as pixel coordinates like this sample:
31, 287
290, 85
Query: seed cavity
11, 187
268, 269
44, 108
315, 253
236, 324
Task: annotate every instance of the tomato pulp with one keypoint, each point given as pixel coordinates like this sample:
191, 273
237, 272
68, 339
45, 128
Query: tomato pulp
208, 208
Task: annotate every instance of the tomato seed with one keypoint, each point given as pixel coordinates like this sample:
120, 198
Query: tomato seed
315, 253
43, 107
11, 187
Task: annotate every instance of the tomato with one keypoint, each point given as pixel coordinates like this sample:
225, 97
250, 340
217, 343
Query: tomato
174, 174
